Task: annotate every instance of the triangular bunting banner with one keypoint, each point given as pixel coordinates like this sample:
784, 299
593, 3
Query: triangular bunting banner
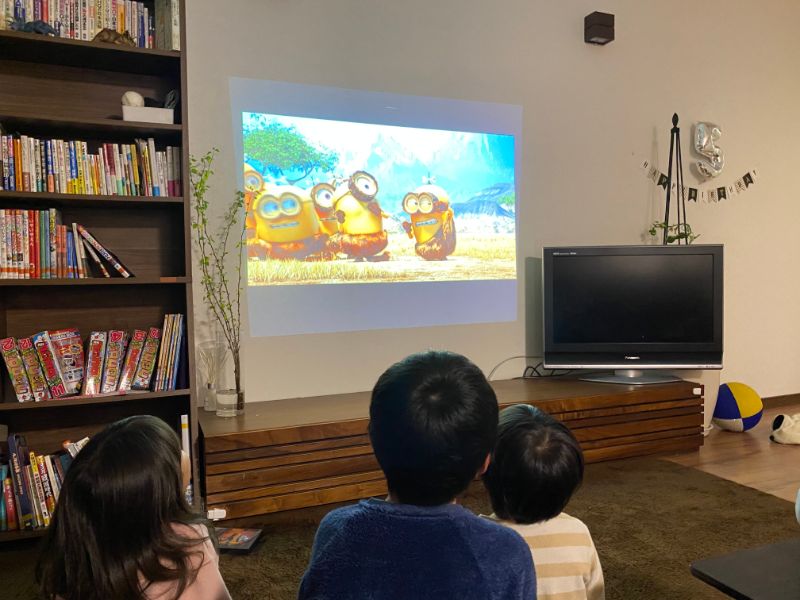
716, 194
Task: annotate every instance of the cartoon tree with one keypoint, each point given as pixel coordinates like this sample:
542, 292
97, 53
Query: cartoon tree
281, 149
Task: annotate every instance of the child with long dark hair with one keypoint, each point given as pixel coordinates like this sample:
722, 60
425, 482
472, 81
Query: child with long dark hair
122, 528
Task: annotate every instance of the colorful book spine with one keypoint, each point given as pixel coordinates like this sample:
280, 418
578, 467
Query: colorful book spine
147, 363
10, 504
96, 259
95, 357
16, 452
115, 353
55, 481
3, 509
177, 356
50, 365
30, 359
16, 370
49, 496
37, 493
132, 357
41, 496
103, 252
161, 366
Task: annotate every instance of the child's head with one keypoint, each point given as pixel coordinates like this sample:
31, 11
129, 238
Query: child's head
113, 523
433, 422
536, 466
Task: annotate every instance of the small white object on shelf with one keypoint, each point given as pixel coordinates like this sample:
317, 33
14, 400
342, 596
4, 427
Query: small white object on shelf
131, 98
148, 114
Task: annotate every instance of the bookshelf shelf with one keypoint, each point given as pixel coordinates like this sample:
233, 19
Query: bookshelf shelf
13, 536
92, 281
56, 125
88, 200
89, 400
35, 48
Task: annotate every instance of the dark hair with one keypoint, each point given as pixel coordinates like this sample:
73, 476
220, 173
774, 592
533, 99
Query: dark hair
113, 527
536, 466
433, 422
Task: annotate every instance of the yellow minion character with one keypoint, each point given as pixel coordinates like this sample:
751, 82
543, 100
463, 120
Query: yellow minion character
360, 218
432, 224
287, 226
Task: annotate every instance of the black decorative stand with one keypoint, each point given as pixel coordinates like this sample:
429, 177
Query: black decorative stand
675, 182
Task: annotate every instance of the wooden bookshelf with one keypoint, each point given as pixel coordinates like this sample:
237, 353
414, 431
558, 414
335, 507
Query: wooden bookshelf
60, 88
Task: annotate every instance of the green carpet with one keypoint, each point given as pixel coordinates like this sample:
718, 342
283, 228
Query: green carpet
649, 519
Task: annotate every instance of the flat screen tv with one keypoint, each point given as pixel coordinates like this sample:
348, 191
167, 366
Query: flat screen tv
633, 309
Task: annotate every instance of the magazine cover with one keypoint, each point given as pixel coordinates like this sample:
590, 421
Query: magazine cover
95, 356
50, 364
16, 370
39, 387
234, 539
147, 363
132, 359
69, 352
115, 353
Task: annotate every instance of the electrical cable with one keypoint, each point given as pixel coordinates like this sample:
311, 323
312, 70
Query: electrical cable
504, 361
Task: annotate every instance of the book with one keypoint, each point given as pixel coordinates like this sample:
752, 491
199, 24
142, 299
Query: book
235, 539
50, 498
73, 448
50, 365
112, 366
69, 353
16, 452
10, 504
95, 358
176, 354
146, 368
93, 255
163, 355
16, 369
42, 511
3, 510
101, 250
33, 369
52, 473
132, 357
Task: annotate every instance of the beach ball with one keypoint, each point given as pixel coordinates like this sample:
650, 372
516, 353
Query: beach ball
739, 407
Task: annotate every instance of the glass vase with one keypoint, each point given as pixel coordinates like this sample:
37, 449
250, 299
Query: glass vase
227, 403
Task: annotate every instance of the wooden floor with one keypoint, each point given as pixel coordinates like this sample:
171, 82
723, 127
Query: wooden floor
750, 458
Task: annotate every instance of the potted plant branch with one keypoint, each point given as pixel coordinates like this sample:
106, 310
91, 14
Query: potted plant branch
219, 256
680, 232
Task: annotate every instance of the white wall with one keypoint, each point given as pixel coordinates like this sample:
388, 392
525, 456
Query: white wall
590, 114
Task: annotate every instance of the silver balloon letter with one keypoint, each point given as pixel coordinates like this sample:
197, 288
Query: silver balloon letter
712, 159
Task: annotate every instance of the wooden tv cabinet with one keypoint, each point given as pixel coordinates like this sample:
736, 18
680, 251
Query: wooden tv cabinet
301, 452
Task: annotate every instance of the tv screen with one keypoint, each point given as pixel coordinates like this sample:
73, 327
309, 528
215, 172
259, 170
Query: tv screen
633, 307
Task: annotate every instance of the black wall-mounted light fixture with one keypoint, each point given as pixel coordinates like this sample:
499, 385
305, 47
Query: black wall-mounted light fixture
598, 28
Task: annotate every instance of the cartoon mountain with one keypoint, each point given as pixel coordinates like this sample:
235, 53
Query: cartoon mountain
487, 202
489, 211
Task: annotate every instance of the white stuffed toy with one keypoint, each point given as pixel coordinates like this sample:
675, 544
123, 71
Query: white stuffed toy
786, 429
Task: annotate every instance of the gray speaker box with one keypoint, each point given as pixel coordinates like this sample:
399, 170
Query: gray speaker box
534, 309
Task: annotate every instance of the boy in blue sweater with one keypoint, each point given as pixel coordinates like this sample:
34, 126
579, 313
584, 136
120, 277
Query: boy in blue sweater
433, 422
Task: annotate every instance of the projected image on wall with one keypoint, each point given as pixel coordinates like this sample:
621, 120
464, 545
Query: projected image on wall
344, 202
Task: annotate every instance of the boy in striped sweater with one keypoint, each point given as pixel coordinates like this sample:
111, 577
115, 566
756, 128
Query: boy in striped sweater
536, 466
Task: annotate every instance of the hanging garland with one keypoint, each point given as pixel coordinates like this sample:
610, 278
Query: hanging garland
714, 194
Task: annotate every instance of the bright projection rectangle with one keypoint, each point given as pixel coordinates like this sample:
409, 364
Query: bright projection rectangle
373, 211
